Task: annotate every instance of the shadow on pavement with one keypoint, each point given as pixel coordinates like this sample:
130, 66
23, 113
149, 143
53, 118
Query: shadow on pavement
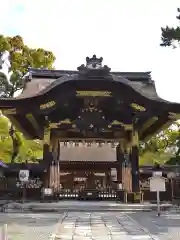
165, 224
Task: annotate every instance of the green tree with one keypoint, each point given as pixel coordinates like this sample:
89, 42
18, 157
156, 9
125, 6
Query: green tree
170, 35
28, 150
160, 148
21, 57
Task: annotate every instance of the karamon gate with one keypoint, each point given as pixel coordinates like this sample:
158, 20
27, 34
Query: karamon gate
91, 121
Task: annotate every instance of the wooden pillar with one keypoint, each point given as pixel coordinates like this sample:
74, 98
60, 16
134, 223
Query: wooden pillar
120, 160
107, 176
55, 170
126, 168
135, 161
47, 155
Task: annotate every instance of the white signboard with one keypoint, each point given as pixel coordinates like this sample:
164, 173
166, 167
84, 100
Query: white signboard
99, 174
171, 175
80, 179
157, 184
157, 174
48, 191
23, 175
114, 174
120, 186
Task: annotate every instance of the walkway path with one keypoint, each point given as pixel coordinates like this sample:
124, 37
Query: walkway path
92, 225
96, 226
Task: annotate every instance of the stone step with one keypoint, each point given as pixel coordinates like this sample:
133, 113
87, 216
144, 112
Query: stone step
82, 207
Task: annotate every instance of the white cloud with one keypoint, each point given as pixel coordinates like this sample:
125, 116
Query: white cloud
125, 32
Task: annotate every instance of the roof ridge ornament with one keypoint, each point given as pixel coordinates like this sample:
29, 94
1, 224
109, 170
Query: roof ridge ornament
93, 64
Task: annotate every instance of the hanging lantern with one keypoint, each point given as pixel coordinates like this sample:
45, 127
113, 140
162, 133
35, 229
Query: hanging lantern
65, 144
113, 144
76, 144
100, 144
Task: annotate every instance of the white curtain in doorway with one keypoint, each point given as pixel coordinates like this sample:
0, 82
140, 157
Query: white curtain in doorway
85, 153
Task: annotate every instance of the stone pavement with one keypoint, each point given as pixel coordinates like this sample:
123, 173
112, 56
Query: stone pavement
97, 226
92, 225
22, 226
165, 227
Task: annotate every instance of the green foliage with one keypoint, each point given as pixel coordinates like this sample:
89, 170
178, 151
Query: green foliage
29, 150
150, 158
162, 147
21, 58
170, 34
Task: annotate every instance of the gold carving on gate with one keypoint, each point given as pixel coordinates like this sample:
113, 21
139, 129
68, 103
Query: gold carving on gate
9, 111
47, 105
65, 121
138, 107
126, 126
115, 122
53, 125
93, 94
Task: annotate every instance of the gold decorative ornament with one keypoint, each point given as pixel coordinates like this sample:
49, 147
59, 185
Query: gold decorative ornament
9, 111
65, 121
47, 105
115, 122
93, 94
138, 107
128, 127
53, 125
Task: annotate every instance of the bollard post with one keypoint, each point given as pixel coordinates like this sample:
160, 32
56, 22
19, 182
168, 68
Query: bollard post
4, 232
158, 204
142, 197
125, 197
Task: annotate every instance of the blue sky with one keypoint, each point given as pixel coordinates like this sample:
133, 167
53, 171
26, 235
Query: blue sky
126, 33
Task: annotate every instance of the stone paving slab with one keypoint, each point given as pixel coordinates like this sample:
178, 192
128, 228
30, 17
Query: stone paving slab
29, 226
165, 227
98, 226
92, 225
